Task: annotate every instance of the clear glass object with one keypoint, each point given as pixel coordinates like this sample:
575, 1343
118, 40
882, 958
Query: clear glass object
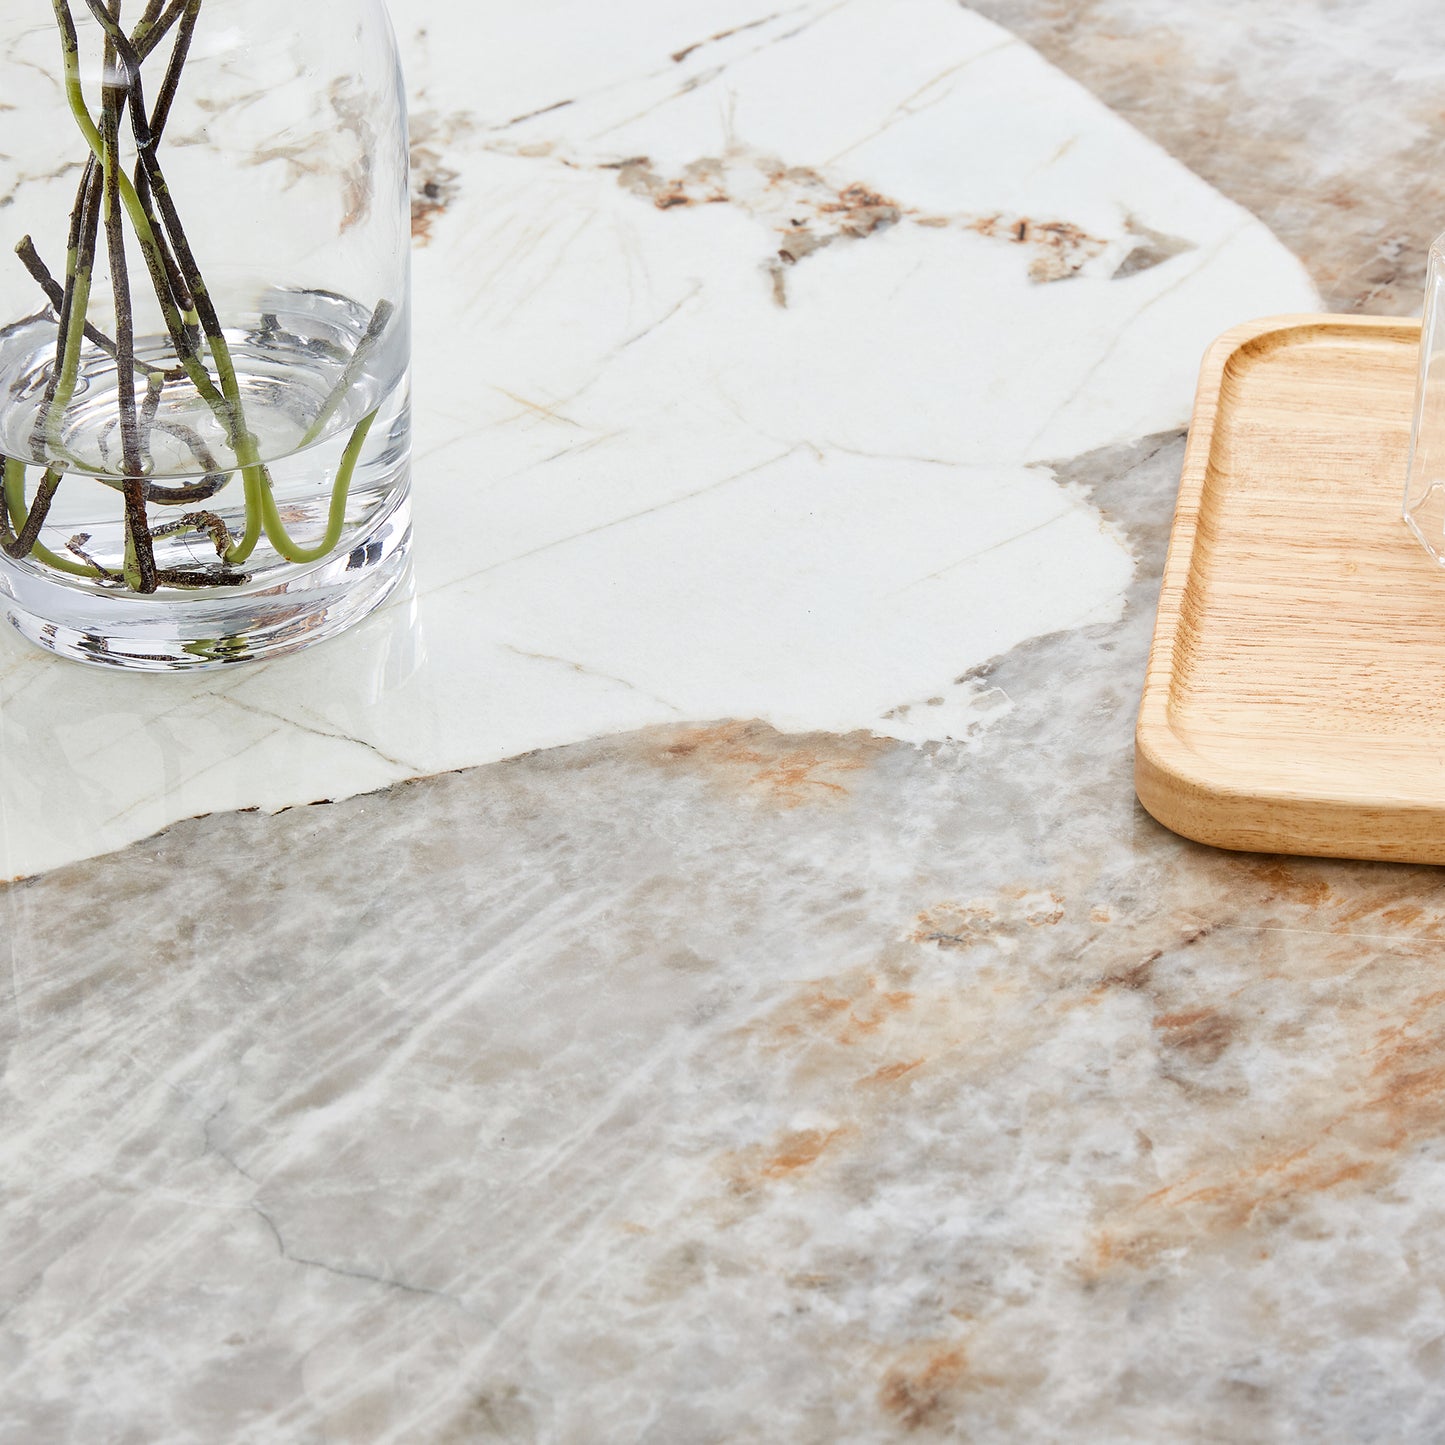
205, 328
1425, 486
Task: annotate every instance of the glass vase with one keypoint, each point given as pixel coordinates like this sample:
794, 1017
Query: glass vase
204, 360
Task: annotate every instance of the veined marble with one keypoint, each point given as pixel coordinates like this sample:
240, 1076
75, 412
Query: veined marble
745, 339
817, 1044
710, 1083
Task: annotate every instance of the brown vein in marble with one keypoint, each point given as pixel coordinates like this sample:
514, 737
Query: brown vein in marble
306, 155
817, 213
751, 758
928, 1387
435, 183
808, 212
678, 56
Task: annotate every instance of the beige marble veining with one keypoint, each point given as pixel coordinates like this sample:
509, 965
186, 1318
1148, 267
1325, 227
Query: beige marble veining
719, 1080
711, 1083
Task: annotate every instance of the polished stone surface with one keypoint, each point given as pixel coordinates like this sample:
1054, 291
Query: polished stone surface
729, 403
712, 1083
839, 1056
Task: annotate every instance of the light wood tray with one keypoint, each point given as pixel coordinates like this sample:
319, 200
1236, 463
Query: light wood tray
1295, 698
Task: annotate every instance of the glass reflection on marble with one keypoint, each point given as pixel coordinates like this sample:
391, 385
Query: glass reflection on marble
104, 765
1424, 509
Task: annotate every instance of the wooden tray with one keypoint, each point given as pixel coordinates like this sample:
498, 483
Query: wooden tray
1295, 698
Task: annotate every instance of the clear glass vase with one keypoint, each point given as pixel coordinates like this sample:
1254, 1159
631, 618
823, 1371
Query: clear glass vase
204, 360
1425, 485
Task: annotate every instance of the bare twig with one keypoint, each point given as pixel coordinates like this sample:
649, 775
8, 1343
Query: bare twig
201, 522
140, 568
55, 294
167, 94
76, 545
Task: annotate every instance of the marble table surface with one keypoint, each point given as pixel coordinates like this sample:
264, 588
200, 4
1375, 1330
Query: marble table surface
731, 993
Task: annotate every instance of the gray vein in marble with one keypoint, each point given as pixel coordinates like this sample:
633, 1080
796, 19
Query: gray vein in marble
717, 70
691, 295
316, 730
620, 521
359, 1274
583, 671
983, 551
190, 777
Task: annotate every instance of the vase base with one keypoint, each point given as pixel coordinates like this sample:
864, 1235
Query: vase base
179, 633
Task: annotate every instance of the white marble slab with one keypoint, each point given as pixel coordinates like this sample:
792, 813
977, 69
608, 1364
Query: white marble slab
663, 473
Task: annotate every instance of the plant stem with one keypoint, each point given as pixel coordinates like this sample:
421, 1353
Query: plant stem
256, 477
84, 214
139, 215
80, 245
29, 530
79, 263
375, 327
30, 259
201, 522
140, 563
145, 41
14, 484
166, 98
185, 303
74, 327
201, 491
336, 515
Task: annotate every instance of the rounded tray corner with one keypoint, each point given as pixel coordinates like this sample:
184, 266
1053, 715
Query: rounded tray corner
1175, 787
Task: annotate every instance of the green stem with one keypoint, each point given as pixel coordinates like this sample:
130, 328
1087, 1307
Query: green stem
374, 329
336, 517
256, 479
24, 539
84, 219
70, 361
14, 483
171, 83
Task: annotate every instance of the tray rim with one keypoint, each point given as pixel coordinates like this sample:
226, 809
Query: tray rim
1175, 785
